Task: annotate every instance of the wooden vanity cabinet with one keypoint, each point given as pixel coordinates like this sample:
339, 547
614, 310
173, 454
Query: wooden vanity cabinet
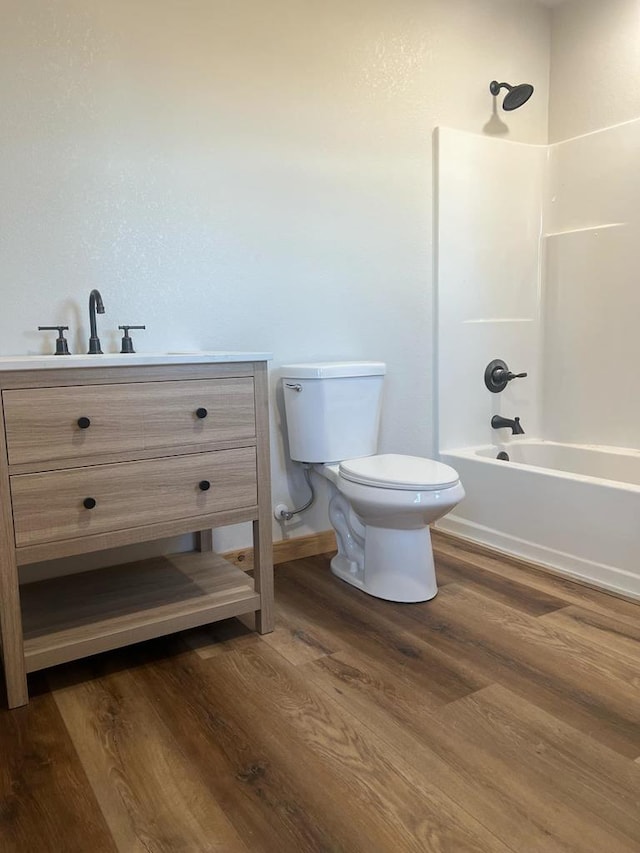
99, 457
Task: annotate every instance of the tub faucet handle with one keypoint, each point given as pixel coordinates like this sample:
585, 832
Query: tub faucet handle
497, 375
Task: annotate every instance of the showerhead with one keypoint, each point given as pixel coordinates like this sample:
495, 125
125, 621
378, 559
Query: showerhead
515, 97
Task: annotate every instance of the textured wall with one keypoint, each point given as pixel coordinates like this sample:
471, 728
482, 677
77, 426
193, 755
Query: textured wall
595, 66
247, 175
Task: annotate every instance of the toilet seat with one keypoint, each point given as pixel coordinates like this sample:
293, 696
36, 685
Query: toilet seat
396, 471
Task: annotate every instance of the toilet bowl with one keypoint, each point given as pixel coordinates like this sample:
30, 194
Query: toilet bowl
380, 505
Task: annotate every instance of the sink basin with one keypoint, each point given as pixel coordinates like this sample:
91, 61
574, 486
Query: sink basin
40, 362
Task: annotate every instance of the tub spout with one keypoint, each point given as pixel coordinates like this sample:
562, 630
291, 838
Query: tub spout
498, 422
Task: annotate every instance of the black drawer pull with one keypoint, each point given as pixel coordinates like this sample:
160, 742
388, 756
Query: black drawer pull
201, 413
89, 503
84, 423
204, 485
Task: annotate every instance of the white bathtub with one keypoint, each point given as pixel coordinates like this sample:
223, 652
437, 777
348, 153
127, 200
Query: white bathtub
573, 508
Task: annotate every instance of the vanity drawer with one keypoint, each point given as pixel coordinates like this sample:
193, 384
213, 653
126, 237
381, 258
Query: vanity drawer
78, 422
45, 424
50, 507
187, 414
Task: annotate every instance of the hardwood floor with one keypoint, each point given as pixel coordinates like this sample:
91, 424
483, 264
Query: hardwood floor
503, 716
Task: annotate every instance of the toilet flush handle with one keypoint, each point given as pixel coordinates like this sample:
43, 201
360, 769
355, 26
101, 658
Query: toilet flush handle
295, 387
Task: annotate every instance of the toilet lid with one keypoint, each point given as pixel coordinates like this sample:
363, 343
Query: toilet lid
392, 471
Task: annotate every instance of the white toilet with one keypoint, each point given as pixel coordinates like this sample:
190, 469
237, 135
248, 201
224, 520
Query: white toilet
381, 505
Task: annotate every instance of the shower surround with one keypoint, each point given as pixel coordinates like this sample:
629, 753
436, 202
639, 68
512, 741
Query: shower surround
537, 247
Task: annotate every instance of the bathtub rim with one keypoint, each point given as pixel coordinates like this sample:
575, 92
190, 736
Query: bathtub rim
473, 453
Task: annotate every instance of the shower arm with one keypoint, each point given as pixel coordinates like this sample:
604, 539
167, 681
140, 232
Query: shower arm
495, 87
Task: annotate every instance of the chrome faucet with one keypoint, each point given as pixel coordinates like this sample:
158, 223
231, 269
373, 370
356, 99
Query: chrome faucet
95, 305
514, 425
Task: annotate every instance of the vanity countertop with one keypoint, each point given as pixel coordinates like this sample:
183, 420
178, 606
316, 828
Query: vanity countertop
40, 362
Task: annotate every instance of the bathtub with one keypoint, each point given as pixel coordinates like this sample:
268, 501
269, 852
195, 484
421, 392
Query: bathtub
573, 508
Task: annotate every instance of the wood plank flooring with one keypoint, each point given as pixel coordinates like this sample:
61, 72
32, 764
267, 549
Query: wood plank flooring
503, 716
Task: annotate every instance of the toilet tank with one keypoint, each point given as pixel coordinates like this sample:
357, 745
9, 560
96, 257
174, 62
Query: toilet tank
332, 409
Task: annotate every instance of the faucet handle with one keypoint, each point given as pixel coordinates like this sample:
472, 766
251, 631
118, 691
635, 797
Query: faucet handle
497, 375
127, 342
62, 346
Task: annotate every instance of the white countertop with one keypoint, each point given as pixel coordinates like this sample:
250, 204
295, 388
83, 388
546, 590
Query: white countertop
40, 362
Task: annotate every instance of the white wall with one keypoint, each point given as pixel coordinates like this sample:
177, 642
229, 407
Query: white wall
587, 344
592, 299
247, 175
595, 66
564, 308
593, 219
490, 196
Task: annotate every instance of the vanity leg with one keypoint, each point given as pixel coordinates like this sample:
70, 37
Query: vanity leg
204, 540
11, 631
263, 576
262, 539
10, 612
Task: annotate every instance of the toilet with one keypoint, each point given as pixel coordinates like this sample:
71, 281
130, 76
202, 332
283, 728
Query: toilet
381, 505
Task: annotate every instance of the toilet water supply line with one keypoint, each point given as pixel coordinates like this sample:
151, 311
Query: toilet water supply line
283, 513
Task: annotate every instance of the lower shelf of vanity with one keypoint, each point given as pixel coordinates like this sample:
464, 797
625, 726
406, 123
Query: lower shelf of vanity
79, 615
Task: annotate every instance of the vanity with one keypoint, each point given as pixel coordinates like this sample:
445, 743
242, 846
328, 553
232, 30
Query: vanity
98, 452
